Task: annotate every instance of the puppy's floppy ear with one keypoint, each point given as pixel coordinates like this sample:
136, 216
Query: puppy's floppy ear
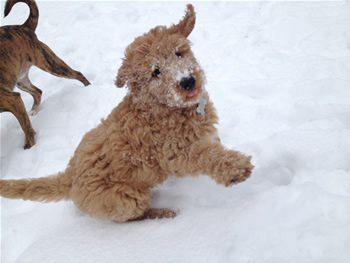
122, 76
186, 25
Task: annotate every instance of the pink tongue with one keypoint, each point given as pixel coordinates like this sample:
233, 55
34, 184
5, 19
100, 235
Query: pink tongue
192, 93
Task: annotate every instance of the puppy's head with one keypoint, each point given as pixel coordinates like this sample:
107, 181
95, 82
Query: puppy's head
159, 67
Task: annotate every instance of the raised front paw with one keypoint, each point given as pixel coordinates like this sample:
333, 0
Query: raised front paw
234, 169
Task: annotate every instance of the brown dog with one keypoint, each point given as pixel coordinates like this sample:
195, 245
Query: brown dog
163, 127
19, 50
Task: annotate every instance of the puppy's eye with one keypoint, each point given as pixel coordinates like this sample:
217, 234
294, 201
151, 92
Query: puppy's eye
178, 54
156, 73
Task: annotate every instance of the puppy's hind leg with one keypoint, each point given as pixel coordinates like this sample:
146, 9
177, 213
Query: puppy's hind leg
47, 60
12, 102
120, 202
25, 85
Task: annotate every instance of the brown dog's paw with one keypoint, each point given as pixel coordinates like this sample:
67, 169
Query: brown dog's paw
82, 79
33, 112
235, 169
86, 82
29, 140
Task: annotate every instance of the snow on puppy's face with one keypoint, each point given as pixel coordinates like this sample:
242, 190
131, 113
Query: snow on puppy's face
159, 67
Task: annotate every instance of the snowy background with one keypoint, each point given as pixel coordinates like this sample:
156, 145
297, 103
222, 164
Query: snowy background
279, 75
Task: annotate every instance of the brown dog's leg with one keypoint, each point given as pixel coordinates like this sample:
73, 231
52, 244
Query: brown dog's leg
25, 85
47, 60
12, 102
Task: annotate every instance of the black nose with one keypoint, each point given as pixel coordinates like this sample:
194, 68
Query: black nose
188, 83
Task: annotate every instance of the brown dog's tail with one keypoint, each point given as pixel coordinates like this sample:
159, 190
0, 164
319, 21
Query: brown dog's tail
45, 189
32, 20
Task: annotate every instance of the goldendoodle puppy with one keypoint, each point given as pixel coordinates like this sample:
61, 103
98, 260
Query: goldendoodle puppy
163, 127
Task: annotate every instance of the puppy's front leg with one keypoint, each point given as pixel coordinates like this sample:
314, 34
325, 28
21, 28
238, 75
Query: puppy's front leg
226, 167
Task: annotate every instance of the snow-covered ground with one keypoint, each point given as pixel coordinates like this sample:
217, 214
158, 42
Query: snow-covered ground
279, 75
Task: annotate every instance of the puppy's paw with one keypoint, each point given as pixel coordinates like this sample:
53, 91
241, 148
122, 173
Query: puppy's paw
159, 213
153, 213
234, 169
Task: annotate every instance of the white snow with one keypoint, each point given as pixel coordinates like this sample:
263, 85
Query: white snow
279, 75
201, 106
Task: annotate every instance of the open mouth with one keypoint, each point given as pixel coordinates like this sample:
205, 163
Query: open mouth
192, 93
